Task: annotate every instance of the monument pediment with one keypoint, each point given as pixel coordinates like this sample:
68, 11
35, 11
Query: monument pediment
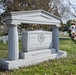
34, 16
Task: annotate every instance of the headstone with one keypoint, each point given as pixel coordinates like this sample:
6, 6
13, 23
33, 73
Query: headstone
4, 40
36, 40
36, 45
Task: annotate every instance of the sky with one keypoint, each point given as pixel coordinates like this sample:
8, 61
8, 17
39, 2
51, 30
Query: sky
73, 2
1, 11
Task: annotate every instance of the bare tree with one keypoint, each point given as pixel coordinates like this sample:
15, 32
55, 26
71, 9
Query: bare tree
63, 7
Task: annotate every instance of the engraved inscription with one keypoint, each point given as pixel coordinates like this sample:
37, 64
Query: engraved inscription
41, 37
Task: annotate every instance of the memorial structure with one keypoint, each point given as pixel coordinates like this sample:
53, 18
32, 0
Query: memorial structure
37, 46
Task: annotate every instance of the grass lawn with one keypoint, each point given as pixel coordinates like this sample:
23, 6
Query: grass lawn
64, 35
66, 66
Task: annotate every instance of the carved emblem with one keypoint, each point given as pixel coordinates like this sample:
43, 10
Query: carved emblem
41, 37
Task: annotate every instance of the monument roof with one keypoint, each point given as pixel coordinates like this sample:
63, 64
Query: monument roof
34, 17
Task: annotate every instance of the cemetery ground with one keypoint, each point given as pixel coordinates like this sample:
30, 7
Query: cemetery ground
63, 66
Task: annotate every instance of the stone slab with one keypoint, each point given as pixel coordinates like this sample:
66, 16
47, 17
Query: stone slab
8, 65
36, 54
36, 40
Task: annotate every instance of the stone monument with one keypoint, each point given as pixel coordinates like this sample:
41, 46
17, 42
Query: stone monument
37, 46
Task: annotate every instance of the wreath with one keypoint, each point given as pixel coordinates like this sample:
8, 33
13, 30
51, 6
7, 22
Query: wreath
72, 31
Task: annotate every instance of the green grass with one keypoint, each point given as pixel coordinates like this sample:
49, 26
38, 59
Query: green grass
64, 35
4, 49
65, 66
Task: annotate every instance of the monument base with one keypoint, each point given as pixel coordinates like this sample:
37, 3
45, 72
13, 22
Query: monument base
31, 58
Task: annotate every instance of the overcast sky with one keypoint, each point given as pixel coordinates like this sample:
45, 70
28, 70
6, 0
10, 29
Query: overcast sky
73, 2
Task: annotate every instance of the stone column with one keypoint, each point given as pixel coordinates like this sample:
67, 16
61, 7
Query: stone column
13, 51
55, 37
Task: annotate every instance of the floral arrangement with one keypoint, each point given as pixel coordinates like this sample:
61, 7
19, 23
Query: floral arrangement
72, 30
